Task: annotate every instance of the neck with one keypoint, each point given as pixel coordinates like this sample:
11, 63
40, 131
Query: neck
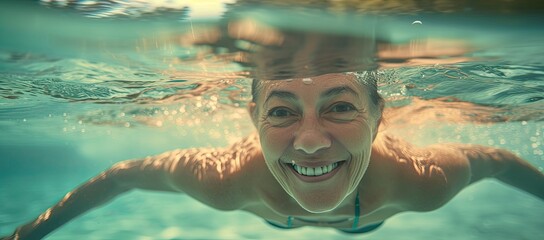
349, 209
375, 185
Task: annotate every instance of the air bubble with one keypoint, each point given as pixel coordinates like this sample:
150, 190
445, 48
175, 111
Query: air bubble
307, 81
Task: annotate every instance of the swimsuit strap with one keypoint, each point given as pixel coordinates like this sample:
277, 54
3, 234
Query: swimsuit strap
357, 213
290, 221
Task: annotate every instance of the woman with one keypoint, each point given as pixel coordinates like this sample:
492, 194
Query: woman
317, 159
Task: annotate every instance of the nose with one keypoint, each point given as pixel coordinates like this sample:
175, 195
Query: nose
310, 138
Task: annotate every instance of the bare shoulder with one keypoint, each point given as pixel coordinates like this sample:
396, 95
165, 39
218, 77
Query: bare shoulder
427, 177
218, 177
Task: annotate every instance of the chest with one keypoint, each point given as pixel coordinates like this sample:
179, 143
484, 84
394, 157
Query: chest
284, 214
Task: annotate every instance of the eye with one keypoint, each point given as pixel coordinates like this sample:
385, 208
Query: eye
281, 116
342, 108
342, 112
279, 112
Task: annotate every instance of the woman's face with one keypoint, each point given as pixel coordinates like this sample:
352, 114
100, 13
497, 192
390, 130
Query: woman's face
316, 135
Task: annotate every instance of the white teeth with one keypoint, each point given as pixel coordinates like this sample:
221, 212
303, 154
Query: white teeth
318, 171
309, 171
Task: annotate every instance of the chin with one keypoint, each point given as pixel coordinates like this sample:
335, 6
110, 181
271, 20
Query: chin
319, 202
318, 209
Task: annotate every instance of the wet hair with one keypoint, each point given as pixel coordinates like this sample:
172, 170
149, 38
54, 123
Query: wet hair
368, 79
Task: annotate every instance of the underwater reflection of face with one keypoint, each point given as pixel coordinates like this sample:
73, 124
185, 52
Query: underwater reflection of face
316, 135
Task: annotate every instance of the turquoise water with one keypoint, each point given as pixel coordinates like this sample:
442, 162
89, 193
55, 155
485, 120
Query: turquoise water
82, 88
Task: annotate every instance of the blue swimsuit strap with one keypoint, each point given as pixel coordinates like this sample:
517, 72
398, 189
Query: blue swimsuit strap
355, 220
290, 221
357, 212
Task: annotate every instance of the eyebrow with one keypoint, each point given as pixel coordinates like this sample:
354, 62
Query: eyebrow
281, 94
327, 94
338, 90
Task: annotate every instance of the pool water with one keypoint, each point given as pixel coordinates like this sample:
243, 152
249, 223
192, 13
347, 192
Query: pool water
86, 84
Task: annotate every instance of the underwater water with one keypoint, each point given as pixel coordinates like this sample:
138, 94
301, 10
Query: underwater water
86, 84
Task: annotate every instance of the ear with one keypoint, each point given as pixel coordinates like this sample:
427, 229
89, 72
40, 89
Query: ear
252, 109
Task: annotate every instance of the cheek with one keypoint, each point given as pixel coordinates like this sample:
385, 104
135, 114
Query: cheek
355, 136
274, 141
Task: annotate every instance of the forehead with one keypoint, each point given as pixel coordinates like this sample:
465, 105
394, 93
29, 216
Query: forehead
305, 86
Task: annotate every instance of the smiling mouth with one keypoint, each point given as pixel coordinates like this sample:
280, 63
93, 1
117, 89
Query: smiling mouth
317, 171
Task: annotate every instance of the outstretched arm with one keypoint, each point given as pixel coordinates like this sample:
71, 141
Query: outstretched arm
438, 172
504, 166
119, 179
206, 174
